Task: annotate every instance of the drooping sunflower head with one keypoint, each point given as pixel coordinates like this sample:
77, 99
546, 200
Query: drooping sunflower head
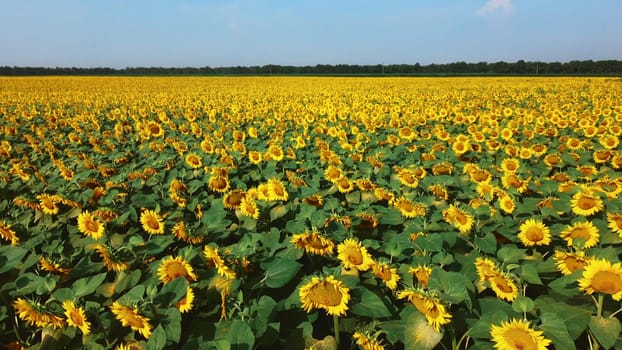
130, 317
354, 255
172, 268
504, 286
186, 303
315, 200
76, 317
387, 274
614, 221
428, 305
457, 217
326, 293
602, 276
48, 203
533, 232
233, 199
152, 222
422, 274
517, 334
344, 185
218, 184
567, 263
333, 173
8, 234
313, 243
36, 314
367, 341
90, 226
249, 208
584, 231
277, 190
486, 268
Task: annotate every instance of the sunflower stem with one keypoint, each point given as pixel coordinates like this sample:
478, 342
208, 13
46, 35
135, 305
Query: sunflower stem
599, 313
336, 326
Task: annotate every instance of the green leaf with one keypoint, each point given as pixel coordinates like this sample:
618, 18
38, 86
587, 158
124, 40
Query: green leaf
262, 311
523, 304
237, 333
481, 328
27, 283
576, 318
172, 325
157, 341
566, 285
369, 304
280, 271
391, 217
10, 256
133, 296
172, 292
510, 254
555, 329
88, 285
606, 330
278, 212
452, 285
487, 244
529, 274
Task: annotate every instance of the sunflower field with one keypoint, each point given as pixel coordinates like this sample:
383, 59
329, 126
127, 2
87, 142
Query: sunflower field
310, 213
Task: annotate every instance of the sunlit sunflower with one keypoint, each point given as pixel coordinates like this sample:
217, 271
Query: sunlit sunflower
172, 268
218, 184
602, 276
52, 267
486, 190
510, 165
111, 263
275, 153
315, 200
130, 317
314, 243
552, 160
584, 230
457, 217
277, 190
333, 174
383, 194
233, 199
8, 234
610, 142
254, 157
344, 185
440, 191
504, 286
567, 263
479, 175
586, 203
506, 203
249, 208
186, 303
533, 232
365, 185
510, 180
36, 314
422, 274
326, 293
181, 233
213, 258
408, 208
408, 178
485, 268
431, 307
614, 221
152, 222
47, 203
367, 342
387, 274
193, 160
90, 226
154, 129
354, 255
517, 335
76, 317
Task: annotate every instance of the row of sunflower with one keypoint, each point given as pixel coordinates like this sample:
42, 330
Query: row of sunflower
310, 213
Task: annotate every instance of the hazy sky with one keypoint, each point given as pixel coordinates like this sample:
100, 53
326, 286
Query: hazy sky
131, 33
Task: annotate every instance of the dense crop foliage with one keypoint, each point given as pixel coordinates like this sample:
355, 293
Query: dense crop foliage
309, 212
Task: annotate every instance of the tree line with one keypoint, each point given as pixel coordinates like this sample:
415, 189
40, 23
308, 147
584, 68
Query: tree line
586, 67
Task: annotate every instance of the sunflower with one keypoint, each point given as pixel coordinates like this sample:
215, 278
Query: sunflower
47, 203
610, 142
383, 194
440, 191
52, 267
218, 184
510, 180
486, 268
7, 234
110, 263
313, 243
586, 203
154, 129
568, 263
534, 232
249, 208
152, 222
35, 314
76, 317
326, 293
213, 258
486, 190
506, 203
510, 165
354, 255
602, 276
408, 178
460, 219
408, 208
233, 199
387, 274
172, 268
254, 157
584, 230
366, 342
90, 226
333, 174
132, 318
344, 185
517, 335
431, 307
422, 274
315, 200
185, 304
503, 285
277, 190
194, 161
181, 233
613, 219
552, 160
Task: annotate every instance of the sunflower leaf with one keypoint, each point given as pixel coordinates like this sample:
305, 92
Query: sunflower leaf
88, 285
605, 329
368, 304
555, 329
280, 271
10, 256
157, 341
172, 292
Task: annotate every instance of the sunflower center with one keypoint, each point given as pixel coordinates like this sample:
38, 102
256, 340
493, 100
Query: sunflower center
353, 255
326, 294
152, 222
587, 202
580, 232
383, 273
607, 282
278, 190
534, 234
617, 220
315, 242
520, 340
76, 318
502, 283
573, 263
91, 224
219, 183
514, 182
175, 270
461, 218
154, 129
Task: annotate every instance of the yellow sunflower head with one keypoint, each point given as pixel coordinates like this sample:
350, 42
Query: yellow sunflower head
172, 268
431, 307
254, 157
315, 200
422, 274
326, 293
517, 334
387, 274
602, 276
408, 208
353, 255
533, 232
152, 222
47, 203
457, 217
194, 161
249, 208
76, 317
567, 263
614, 221
186, 303
233, 199
218, 184
485, 268
130, 317
313, 243
584, 231
277, 190
36, 314
367, 341
504, 286
8, 234
586, 203
90, 226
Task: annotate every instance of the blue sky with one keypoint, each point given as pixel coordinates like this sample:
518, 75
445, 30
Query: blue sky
132, 33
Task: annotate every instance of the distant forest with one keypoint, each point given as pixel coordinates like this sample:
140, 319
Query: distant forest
588, 67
